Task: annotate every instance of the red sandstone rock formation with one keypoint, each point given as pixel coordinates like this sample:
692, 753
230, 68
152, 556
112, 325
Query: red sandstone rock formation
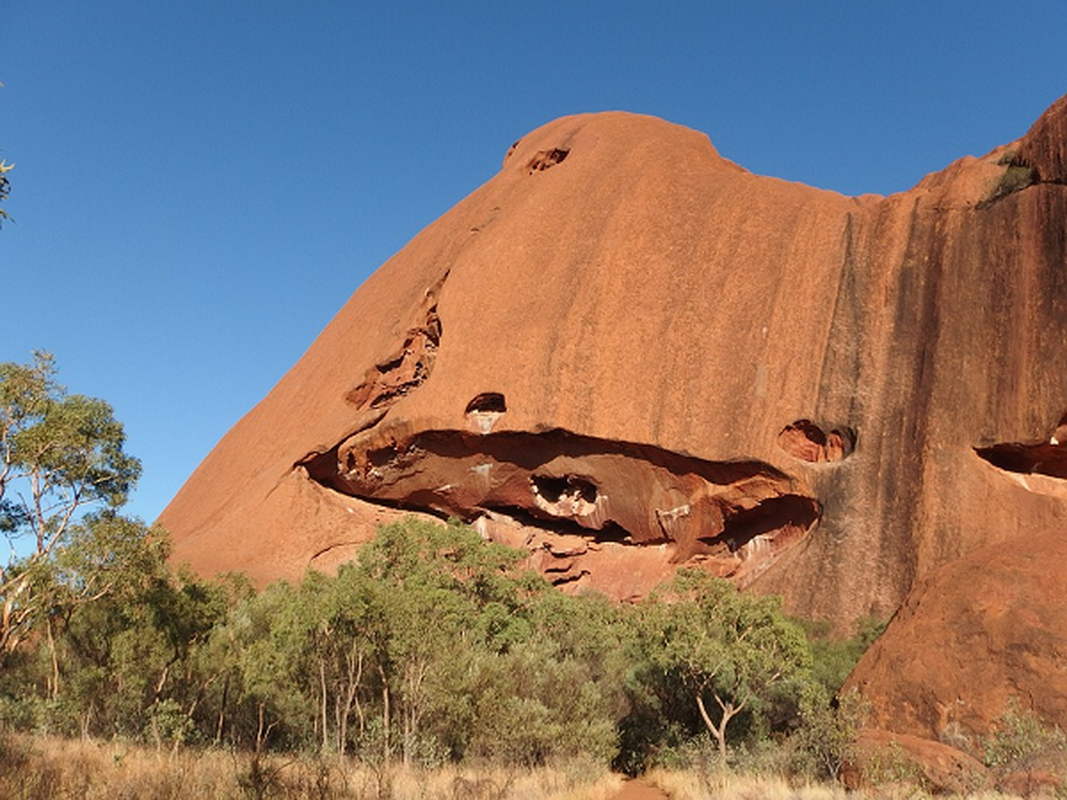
625, 353
975, 636
886, 758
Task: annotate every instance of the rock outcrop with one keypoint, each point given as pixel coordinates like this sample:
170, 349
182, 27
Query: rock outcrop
627, 353
973, 639
882, 760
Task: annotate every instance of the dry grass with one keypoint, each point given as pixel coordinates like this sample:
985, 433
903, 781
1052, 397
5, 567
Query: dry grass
32, 768
708, 785
694, 785
85, 770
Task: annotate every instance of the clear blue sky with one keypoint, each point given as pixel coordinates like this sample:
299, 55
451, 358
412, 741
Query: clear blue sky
200, 185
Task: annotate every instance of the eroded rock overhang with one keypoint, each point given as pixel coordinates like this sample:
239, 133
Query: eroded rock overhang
1039, 466
741, 515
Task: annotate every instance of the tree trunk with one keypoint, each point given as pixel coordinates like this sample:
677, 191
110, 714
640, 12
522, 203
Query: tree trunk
156, 700
55, 659
219, 727
718, 731
354, 663
407, 739
323, 707
386, 753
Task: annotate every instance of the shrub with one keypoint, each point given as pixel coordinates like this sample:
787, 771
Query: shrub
1021, 742
892, 766
828, 732
1014, 179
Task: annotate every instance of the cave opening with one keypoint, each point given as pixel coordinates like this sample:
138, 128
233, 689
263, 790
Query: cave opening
487, 403
554, 489
809, 441
1044, 458
546, 159
380, 457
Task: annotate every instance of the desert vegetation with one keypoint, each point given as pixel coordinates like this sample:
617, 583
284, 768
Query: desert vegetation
434, 665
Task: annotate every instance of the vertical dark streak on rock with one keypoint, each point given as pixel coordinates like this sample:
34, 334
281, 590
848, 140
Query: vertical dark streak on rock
913, 344
840, 373
1049, 204
837, 401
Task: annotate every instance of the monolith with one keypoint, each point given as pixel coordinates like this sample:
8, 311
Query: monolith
625, 353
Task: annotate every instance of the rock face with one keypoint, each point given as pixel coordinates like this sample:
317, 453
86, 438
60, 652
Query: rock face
627, 353
981, 633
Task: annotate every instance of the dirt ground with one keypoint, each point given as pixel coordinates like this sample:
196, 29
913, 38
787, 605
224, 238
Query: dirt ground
637, 789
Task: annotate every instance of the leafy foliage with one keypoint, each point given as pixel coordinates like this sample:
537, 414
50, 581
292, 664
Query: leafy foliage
1015, 178
834, 657
829, 729
60, 454
1021, 742
717, 643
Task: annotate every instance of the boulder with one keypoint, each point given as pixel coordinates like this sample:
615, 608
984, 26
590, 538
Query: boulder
975, 639
884, 759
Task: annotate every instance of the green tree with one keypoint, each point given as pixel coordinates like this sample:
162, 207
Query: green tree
559, 691
371, 656
304, 656
433, 644
105, 555
130, 656
436, 593
60, 455
722, 645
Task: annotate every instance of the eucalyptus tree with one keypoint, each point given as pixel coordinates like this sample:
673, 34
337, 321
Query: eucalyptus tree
60, 455
725, 647
435, 594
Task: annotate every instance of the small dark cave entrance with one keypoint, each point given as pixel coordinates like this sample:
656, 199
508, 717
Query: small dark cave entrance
546, 159
809, 441
553, 489
1046, 457
1027, 459
487, 403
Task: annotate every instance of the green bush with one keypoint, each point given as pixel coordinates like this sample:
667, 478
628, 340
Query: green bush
828, 731
1014, 179
892, 766
1021, 742
833, 657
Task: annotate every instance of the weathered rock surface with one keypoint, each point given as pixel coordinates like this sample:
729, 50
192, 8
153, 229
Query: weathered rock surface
985, 631
626, 353
883, 758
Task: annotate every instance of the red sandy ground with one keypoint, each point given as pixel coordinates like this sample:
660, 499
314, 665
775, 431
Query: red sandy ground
637, 789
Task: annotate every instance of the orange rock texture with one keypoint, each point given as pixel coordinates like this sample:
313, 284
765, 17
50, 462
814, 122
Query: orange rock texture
992, 627
882, 758
625, 353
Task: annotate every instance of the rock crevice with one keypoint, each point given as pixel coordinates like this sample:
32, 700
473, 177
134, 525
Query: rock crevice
409, 366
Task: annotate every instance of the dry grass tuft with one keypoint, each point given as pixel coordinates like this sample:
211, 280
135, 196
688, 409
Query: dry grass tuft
705, 785
696, 785
86, 770
36, 768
